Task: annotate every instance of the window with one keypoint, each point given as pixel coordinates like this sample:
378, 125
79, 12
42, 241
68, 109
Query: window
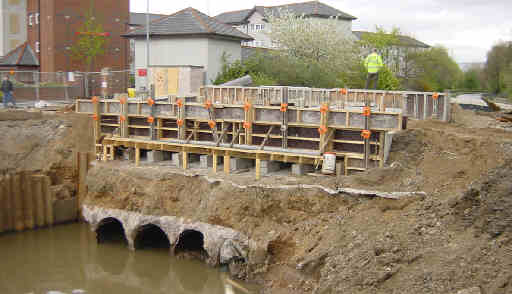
37, 18
38, 47
262, 27
252, 27
30, 19
258, 27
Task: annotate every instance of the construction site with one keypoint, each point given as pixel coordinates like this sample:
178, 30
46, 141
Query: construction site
294, 189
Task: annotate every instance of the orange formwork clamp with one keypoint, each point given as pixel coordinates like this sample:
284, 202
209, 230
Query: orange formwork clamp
322, 130
212, 124
435, 95
95, 117
208, 104
151, 102
366, 134
122, 118
122, 100
95, 99
247, 106
151, 119
179, 122
247, 125
284, 107
344, 91
324, 108
367, 111
179, 103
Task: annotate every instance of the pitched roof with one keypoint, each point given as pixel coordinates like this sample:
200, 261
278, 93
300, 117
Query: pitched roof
402, 40
311, 8
22, 55
139, 19
189, 21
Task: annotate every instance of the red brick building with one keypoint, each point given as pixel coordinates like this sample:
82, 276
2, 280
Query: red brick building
53, 24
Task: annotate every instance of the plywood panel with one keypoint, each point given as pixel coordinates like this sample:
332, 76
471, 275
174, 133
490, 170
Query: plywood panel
172, 81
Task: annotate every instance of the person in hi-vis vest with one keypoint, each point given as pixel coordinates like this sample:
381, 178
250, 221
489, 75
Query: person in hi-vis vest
373, 64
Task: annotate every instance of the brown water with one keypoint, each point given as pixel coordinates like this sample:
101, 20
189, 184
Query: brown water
67, 258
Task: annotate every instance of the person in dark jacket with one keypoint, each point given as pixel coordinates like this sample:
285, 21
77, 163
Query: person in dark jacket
7, 90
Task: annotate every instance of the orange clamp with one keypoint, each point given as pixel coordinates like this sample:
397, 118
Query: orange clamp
151, 119
247, 125
151, 102
435, 95
343, 91
284, 107
366, 111
247, 106
11, 72
212, 124
122, 118
122, 100
179, 103
95, 99
366, 134
179, 122
322, 130
208, 104
95, 117
324, 108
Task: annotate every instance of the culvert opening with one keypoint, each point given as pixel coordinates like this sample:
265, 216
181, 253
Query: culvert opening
191, 244
110, 230
151, 237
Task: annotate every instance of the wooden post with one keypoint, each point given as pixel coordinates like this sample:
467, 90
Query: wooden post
185, 160
137, 156
227, 164
124, 124
37, 189
18, 203
284, 119
48, 199
258, 168
112, 152
425, 105
97, 122
105, 152
215, 161
382, 141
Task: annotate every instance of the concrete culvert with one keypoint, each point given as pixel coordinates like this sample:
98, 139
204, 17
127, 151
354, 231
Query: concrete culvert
110, 230
191, 244
151, 236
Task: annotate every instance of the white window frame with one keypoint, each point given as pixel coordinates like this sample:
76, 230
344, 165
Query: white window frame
30, 21
258, 28
252, 27
38, 47
37, 18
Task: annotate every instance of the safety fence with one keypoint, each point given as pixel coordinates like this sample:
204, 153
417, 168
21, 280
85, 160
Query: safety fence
33, 86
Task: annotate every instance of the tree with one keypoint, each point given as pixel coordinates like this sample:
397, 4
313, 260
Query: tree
499, 59
92, 41
312, 52
437, 71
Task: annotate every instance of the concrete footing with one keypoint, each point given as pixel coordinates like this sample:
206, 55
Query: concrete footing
269, 167
241, 163
206, 161
301, 169
155, 156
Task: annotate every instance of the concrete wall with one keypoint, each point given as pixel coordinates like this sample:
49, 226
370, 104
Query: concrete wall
13, 24
216, 48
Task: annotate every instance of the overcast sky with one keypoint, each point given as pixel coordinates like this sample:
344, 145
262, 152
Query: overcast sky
467, 27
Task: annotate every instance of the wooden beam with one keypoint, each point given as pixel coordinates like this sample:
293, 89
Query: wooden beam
258, 168
215, 161
185, 160
219, 139
235, 135
266, 138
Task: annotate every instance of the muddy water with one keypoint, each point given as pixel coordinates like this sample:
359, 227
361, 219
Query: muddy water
67, 258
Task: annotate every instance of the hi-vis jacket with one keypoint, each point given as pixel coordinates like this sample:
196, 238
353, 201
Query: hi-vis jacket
373, 63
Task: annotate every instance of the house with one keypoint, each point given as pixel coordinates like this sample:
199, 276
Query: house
254, 23
187, 38
22, 59
13, 27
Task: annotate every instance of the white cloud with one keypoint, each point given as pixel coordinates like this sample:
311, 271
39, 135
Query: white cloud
467, 27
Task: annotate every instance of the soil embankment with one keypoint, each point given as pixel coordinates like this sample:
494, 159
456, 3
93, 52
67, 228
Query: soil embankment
306, 240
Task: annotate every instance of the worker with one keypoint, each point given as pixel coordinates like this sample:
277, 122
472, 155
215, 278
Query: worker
373, 64
7, 89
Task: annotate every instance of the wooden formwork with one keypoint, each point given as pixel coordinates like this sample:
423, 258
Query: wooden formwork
284, 124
